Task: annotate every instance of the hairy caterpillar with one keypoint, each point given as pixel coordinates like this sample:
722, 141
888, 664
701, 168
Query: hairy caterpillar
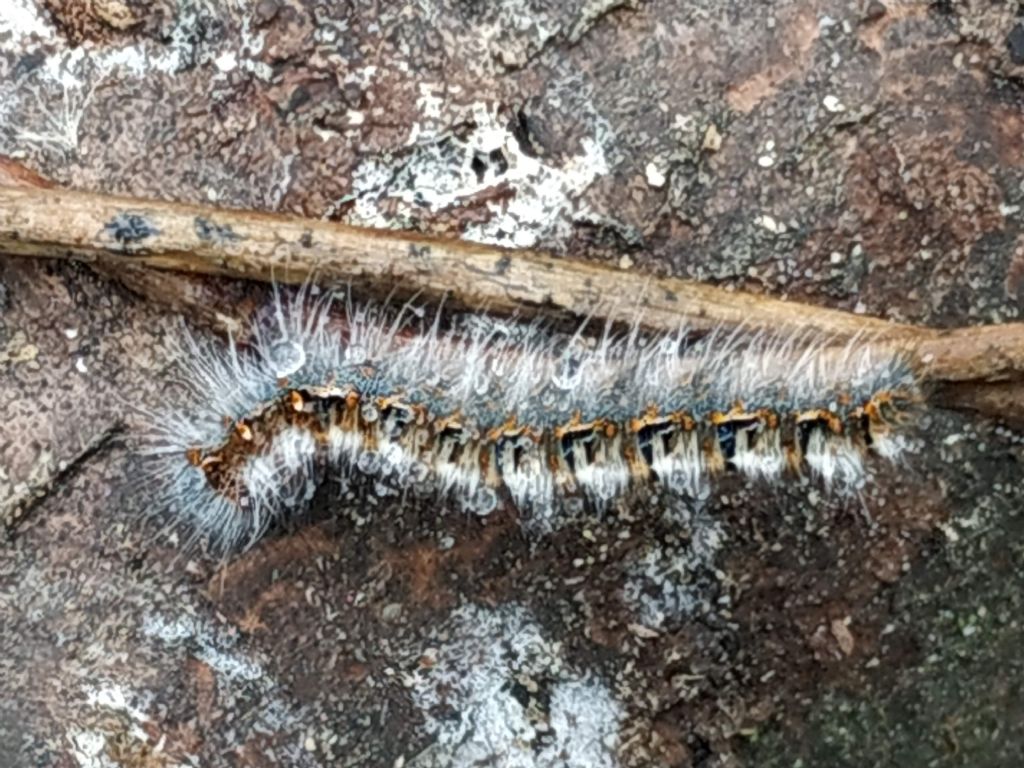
501, 411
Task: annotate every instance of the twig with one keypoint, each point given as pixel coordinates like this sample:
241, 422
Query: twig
16, 510
197, 239
126, 234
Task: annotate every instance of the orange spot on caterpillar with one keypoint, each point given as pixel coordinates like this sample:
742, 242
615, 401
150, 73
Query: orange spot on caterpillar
646, 419
453, 422
574, 424
829, 419
508, 429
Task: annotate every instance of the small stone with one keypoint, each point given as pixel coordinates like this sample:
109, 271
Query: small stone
655, 176
712, 139
833, 104
226, 62
643, 632
769, 223
841, 632
766, 161
625, 262
391, 612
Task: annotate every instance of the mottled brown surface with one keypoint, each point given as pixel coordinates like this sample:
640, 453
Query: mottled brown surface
105, 21
881, 631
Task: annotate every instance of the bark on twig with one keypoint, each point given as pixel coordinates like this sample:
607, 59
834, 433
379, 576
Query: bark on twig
126, 234
198, 239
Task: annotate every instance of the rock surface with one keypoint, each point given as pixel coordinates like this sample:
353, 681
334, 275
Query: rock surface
861, 155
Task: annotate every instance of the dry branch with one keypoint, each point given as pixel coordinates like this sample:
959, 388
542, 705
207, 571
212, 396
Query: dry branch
127, 234
197, 239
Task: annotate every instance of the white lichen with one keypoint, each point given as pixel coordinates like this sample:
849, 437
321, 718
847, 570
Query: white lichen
669, 583
43, 109
442, 170
497, 691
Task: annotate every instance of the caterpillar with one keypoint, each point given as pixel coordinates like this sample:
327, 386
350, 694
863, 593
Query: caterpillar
502, 412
